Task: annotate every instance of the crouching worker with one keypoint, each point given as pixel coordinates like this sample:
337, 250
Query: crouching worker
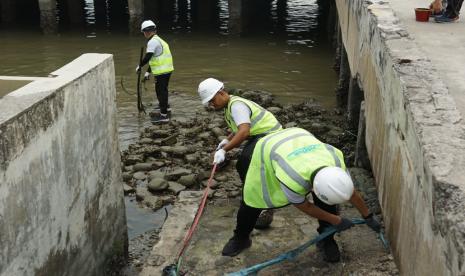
248, 122
286, 166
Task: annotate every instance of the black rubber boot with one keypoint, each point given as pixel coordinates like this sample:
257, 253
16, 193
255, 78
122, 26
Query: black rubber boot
265, 219
330, 249
235, 246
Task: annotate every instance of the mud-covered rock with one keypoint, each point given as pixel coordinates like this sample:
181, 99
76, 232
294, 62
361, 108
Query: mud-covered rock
139, 176
142, 167
175, 187
188, 180
175, 174
157, 185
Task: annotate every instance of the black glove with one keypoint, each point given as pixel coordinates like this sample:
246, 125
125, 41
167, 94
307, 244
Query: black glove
373, 223
343, 225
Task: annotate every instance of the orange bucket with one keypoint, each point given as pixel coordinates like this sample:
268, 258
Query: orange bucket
422, 14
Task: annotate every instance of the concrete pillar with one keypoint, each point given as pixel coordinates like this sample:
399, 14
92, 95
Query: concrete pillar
48, 16
354, 100
75, 11
152, 10
344, 79
183, 13
238, 15
136, 15
101, 12
235, 16
361, 153
8, 11
206, 11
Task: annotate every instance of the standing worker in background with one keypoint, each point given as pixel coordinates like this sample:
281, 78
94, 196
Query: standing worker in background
160, 61
286, 166
247, 120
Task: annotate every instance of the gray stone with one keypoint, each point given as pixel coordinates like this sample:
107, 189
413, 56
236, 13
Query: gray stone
192, 158
213, 185
127, 189
133, 159
157, 184
175, 187
158, 164
235, 193
146, 141
218, 132
204, 135
176, 174
160, 133
188, 180
141, 194
139, 176
156, 174
290, 124
180, 150
274, 109
142, 167
221, 178
153, 202
127, 176
169, 141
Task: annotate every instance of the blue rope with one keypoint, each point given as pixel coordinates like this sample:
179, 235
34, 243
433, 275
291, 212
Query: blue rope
293, 253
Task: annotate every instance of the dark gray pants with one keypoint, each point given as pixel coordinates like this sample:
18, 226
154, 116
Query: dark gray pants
161, 90
453, 8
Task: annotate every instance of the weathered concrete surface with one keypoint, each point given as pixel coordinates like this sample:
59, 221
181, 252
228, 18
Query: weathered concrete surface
362, 253
61, 198
442, 44
414, 135
171, 237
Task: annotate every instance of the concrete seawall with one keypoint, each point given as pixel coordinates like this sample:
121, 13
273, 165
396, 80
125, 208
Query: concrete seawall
61, 199
415, 140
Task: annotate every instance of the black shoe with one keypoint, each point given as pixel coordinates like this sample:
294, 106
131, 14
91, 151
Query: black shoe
235, 246
264, 220
330, 250
160, 118
158, 109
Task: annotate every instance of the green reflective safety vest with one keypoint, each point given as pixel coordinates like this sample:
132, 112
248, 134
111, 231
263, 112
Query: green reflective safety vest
290, 157
163, 63
261, 120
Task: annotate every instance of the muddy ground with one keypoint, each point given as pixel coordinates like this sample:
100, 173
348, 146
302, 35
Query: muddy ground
177, 156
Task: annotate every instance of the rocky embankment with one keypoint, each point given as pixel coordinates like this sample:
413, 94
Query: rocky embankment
177, 156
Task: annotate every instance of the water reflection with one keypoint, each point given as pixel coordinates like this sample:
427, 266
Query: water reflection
283, 52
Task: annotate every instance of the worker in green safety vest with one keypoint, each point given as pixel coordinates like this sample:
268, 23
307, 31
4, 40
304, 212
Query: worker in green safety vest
160, 60
248, 121
286, 166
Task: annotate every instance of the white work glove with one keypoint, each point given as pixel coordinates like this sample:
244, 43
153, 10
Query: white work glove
219, 156
137, 69
146, 76
222, 144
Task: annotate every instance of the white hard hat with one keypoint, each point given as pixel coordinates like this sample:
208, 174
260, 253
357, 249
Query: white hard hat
333, 185
147, 25
208, 89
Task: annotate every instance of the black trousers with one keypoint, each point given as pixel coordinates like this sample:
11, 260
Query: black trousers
453, 8
247, 216
161, 90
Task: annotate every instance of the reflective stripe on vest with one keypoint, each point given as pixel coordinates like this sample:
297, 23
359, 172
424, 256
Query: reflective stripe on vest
261, 120
288, 157
163, 63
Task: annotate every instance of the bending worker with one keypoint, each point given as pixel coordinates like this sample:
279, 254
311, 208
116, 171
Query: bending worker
160, 61
286, 166
247, 120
